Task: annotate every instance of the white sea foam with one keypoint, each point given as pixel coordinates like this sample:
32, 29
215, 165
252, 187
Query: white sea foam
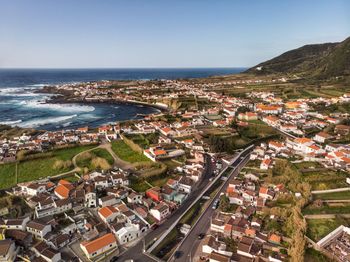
38, 104
10, 123
47, 120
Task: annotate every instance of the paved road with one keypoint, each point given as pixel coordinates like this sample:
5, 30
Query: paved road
135, 252
190, 244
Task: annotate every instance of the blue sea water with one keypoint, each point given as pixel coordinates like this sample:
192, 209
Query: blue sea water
21, 106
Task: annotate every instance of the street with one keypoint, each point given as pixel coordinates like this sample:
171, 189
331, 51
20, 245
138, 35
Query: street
190, 243
136, 252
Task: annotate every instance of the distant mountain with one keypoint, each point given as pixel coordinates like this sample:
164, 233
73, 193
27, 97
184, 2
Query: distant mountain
318, 61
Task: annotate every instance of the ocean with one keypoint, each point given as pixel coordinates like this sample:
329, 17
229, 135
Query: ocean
21, 105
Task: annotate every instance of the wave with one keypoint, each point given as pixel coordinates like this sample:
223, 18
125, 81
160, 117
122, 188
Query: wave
46, 120
38, 104
10, 123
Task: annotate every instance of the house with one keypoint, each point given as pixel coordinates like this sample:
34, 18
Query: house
21, 238
248, 116
168, 193
277, 146
134, 198
266, 193
302, 144
185, 184
99, 246
322, 137
108, 200
38, 228
167, 131
16, 223
342, 129
160, 211
33, 189
211, 244
8, 250
108, 213
265, 164
275, 239
217, 257
58, 206
154, 194
63, 189
248, 248
126, 232
101, 182
155, 153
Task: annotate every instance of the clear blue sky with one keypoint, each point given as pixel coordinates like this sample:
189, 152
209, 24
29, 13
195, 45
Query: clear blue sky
161, 33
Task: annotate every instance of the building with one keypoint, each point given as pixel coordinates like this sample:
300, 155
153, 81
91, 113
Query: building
8, 250
38, 229
99, 246
108, 213
160, 211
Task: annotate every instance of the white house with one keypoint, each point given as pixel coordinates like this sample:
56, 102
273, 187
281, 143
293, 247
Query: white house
160, 211
38, 228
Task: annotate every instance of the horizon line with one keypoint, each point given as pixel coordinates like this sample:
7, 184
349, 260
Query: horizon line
204, 67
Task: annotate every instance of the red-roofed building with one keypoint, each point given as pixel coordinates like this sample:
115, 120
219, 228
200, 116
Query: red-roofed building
99, 246
108, 213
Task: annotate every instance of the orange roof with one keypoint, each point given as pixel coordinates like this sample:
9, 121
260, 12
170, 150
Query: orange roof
346, 159
276, 144
107, 211
263, 190
62, 190
267, 161
275, 238
99, 243
302, 140
314, 147
159, 152
250, 231
166, 129
63, 182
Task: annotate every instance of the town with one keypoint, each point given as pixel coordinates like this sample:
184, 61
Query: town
214, 176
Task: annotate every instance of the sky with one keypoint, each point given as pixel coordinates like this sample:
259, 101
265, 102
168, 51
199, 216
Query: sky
163, 33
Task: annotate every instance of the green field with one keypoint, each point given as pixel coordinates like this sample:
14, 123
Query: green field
327, 179
34, 169
307, 165
327, 209
319, 228
333, 196
124, 152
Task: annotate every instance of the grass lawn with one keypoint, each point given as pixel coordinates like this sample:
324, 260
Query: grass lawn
34, 169
138, 184
333, 196
312, 255
124, 152
319, 228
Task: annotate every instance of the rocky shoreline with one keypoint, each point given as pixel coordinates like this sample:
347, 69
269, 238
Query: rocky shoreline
66, 97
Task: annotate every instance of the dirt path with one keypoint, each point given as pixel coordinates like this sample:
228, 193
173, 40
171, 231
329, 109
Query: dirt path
117, 161
107, 146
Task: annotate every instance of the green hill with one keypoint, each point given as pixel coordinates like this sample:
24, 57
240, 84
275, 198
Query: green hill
318, 61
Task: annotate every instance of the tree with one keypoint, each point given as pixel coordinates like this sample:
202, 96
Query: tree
224, 204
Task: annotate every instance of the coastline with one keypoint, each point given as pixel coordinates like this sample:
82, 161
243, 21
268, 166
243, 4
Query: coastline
64, 100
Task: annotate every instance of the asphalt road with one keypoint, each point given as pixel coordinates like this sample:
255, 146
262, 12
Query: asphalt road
189, 246
135, 252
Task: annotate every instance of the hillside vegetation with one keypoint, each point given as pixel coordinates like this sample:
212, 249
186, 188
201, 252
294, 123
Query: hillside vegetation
317, 61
